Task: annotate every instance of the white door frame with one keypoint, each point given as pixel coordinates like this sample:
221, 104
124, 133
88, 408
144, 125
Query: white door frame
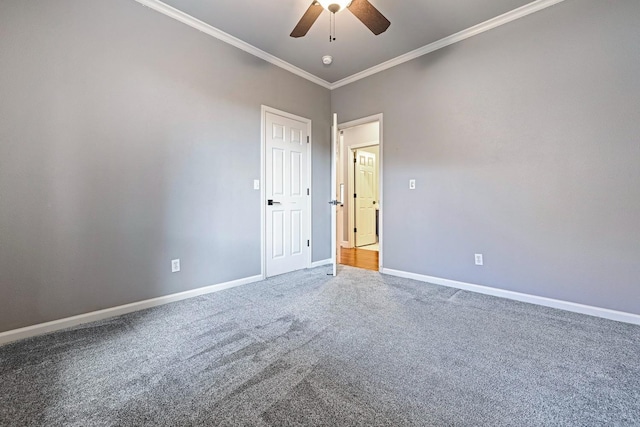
334, 196
264, 109
363, 121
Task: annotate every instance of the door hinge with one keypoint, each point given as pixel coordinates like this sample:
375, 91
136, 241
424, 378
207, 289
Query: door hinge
355, 196
354, 160
308, 243
307, 139
308, 192
355, 230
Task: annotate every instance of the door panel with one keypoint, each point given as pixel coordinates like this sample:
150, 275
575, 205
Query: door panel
277, 226
296, 232
286, 185
296, 173
278, 172
365, 201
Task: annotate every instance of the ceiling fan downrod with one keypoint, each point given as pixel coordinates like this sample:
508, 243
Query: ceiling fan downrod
332, 27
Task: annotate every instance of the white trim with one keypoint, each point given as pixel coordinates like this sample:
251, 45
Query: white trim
310, 184
380, 191
340, 196
321, 263
364, 144
362, 121
56, 325
351, 189
353, 123
505, 18
263, 194
605, 313
334, 194
264, 109
189, 20
345, 244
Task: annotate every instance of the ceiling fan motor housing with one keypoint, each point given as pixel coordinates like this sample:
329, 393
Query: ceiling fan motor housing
334, 6
362, 9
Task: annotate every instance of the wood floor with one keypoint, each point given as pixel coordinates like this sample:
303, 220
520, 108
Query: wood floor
360, 258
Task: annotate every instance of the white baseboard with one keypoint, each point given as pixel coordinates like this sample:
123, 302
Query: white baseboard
321, 263
55, 325
345, 244
605, 313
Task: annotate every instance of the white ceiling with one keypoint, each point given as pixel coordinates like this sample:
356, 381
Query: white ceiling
266, 24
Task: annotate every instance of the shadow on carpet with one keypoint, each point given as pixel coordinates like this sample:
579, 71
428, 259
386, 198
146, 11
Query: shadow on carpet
309, 349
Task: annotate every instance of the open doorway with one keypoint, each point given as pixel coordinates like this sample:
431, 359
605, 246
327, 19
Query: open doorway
359, 221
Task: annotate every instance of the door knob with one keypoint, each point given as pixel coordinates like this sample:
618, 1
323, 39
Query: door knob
271, 202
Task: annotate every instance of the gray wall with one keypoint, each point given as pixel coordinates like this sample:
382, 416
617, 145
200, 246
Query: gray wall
525, 144
128, 139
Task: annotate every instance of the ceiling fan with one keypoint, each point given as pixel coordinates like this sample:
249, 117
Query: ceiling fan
362, 9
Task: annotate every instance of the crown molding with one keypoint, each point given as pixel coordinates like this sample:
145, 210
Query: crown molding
189, 20
492, 23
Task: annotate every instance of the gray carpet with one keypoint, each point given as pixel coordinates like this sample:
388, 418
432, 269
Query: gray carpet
308, 349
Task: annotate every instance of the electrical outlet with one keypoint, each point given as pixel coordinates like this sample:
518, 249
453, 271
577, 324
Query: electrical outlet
479, 260
256, 184
412, 184
175, 265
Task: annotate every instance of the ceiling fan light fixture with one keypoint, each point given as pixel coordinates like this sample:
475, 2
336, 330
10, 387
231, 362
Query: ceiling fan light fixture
361, 9
334, 6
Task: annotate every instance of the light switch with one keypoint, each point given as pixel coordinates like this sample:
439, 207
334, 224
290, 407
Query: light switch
412, 184
256, 184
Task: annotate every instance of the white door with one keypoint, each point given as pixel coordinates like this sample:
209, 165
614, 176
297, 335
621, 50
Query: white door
365, 191
335, 197
286, 189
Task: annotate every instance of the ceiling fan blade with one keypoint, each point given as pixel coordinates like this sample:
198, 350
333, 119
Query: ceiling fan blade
370, 16
307, 20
